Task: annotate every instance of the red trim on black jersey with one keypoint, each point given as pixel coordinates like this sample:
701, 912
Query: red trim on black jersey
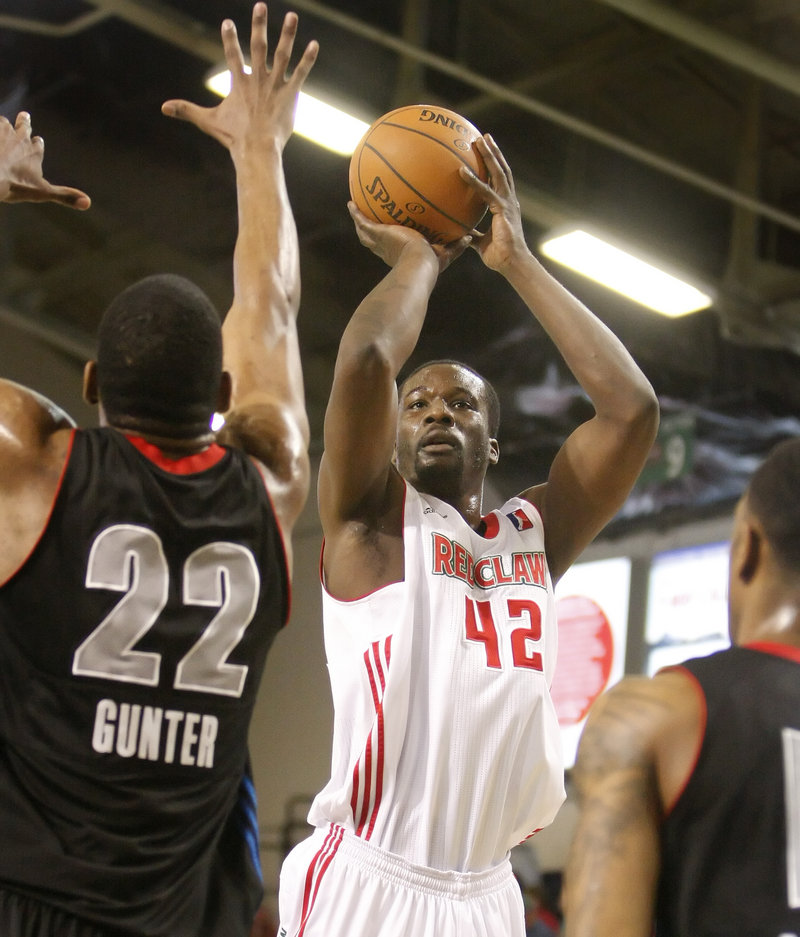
262, 471
201, 461
776, 648
184, 465
668, 808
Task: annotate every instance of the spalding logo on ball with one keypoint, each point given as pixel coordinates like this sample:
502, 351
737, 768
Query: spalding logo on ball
405, 171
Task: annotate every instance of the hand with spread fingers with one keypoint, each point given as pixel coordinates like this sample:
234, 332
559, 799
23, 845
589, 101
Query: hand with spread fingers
261, 101
21, 176
267, 415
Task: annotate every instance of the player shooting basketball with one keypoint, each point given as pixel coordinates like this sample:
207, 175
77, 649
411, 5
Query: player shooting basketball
439, 622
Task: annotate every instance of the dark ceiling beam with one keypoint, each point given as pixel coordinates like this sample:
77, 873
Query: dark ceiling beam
410, 83
54, 333
163, 21
743, 249
609, 51
24, 24
695, 33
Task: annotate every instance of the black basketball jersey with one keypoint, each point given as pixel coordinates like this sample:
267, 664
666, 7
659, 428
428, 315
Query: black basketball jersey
731, 845
132, 642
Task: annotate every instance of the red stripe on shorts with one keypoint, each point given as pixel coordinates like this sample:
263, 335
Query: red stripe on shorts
316, 872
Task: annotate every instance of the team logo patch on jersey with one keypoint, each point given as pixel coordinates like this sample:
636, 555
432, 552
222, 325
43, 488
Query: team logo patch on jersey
520, 519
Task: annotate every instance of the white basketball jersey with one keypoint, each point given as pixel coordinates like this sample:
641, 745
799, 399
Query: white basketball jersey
446, 746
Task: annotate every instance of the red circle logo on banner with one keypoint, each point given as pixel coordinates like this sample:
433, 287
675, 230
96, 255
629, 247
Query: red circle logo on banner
585, 655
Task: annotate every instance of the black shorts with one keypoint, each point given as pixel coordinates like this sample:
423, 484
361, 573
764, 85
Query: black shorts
21, 916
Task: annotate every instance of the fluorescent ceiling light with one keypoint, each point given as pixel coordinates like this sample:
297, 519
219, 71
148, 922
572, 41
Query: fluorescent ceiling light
620, 271
321, 123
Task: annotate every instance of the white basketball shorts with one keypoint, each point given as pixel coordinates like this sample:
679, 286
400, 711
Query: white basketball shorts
335, 884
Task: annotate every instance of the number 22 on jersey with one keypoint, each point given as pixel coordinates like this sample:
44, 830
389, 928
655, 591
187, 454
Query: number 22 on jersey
130, 559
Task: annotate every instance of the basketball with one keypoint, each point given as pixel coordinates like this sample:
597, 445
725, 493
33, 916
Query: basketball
405, 171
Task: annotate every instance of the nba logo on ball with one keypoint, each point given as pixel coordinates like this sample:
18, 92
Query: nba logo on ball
405, 171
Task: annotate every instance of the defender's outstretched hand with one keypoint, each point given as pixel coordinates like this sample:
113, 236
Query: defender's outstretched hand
263, 101
21, 178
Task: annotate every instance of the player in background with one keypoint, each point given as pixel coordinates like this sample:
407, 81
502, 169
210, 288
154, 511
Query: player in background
440, 630
145, 564
21, 169
689, 781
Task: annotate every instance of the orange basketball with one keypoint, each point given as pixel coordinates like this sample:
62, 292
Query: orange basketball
405, 171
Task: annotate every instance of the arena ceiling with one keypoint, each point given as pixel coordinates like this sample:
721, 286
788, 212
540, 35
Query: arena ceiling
674, 126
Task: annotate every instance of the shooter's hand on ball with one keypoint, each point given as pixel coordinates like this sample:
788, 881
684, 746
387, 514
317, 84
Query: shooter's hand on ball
505, 239
21, 177
388, 241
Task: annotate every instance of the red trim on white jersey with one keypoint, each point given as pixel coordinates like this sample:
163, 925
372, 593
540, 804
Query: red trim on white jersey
316, 872
490, 526
376, 663
371, 591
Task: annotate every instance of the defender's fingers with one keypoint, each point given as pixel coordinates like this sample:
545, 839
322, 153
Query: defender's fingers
305, 64
184, 110
283, 51
72, 198
233, 51
22, 125
258, 37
